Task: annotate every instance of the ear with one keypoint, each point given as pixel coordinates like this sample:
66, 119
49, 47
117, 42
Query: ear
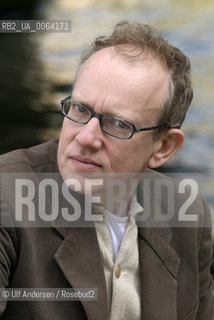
166, 147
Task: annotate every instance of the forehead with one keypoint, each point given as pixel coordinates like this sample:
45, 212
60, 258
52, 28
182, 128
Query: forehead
125, 55
124, 77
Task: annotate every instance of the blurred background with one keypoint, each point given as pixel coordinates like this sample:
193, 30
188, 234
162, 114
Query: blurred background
37, 70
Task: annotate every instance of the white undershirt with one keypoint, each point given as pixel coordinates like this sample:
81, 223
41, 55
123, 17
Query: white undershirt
117, 227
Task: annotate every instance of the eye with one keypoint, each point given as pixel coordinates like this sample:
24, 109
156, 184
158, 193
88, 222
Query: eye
122, 125
79, 108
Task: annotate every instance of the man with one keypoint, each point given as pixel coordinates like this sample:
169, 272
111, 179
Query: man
129, 100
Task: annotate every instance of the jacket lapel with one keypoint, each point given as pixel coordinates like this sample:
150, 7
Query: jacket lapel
158, 268
159, 265
83, 268
79, 259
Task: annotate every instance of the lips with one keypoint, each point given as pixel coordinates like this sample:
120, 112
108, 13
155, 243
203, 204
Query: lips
85, 163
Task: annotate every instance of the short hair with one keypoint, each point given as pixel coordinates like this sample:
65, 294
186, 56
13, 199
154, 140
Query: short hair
148, 40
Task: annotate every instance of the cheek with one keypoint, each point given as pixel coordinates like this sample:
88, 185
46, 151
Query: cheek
121, 155
67, 133
133, 155
64, 139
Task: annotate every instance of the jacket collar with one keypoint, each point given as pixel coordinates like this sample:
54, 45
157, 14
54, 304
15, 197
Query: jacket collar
80, 261
159, 265
82, 267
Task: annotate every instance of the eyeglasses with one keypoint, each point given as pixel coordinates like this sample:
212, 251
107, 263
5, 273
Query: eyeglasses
112, 125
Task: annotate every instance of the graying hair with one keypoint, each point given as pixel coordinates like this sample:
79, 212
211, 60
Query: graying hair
147, 40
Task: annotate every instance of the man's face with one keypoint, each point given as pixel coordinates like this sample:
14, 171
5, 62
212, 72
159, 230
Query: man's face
111, 84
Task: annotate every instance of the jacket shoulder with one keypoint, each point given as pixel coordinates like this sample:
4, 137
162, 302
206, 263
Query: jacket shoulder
38, 156
175, 201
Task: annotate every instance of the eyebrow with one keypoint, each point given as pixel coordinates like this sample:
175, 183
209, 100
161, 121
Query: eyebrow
92, 107
108, 113
79, 101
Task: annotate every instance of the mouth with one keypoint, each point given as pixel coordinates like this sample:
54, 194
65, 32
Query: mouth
85, 163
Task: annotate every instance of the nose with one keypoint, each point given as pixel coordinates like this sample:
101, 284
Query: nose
90, 134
